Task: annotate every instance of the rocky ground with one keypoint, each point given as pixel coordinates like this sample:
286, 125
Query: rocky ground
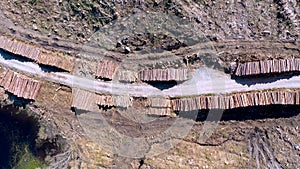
256, 137
65, 26
265, 137
240, 20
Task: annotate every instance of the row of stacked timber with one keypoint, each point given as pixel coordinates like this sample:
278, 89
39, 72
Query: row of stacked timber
164, 106
19, 48
159, 106
268, 66
118, 101
35, 54
106, 69
48, 58
164, 74
126, 76
236, 100
83, 100
20, 85
159, 102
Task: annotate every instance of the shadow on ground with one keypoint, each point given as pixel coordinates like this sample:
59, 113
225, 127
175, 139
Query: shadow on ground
263, 78
251, 113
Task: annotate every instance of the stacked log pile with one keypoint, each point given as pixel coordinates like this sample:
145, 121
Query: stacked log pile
51, 59
159, 102
19, 48
268, 66
106, 69
83, 100
164, 74
31, 52
126, 76
118, 101
161, 111
156, 106
159, 106
236, 100
20, 85
164, 106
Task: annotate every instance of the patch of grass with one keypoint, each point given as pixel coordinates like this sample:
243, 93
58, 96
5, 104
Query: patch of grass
28, 160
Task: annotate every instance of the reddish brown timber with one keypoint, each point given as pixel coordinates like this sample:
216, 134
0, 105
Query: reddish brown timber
106, 69
164, 74
257, 98
268, 66
20, 85
36, 54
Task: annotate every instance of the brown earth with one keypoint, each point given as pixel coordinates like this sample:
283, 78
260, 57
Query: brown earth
242, 31
257, 137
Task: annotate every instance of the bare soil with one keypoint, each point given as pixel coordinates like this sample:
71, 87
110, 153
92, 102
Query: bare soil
259, 137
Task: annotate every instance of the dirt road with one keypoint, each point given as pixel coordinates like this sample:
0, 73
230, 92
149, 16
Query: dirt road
205, 81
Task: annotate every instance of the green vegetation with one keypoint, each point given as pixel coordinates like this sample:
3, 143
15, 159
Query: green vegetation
18, 131
27, 160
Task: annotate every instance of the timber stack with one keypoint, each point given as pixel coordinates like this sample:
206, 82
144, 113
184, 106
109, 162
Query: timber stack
164, 106
164, 74
106, 69
20, 85
159, 106
83, 100
48, 58
126, 76
268, 66
155, 106
117, 101
37, 55
236, 100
